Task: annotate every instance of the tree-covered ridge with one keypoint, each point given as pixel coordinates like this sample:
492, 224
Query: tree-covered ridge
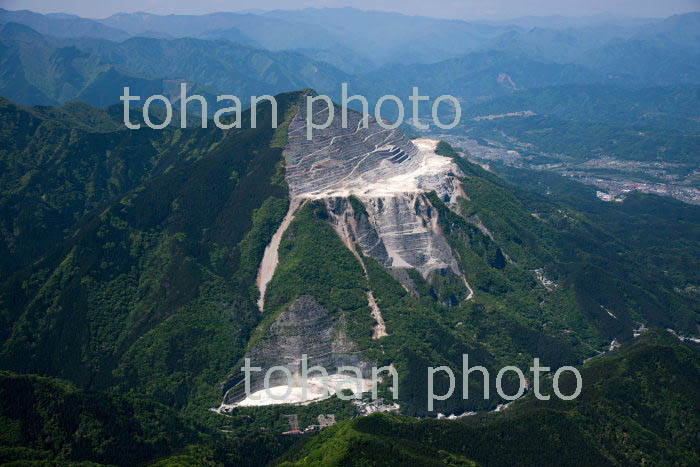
59, 165
602, 276
48, 422
42, 70
639, 405
44, 418
642, 222
149, 288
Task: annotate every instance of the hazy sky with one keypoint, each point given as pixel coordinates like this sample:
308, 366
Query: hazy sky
464, 9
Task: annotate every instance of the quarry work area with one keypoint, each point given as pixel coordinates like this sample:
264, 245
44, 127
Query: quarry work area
389, 174
394, 223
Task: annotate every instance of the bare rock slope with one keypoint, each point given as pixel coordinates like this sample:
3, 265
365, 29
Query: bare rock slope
389, 173
305, 328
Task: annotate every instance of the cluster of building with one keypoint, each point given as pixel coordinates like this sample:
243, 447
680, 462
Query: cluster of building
673, 179
324, 421
616, 190
364, 407
441, 416
370, 407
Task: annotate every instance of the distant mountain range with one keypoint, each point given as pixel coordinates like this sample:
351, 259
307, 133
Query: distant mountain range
44, 70
378, 53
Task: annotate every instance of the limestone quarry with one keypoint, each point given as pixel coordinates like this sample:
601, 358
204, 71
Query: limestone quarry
391, 176
304, 328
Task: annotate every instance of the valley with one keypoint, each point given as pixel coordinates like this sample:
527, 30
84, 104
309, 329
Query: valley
614, 177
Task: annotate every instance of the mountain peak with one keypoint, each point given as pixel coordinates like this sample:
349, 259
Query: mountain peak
20, 32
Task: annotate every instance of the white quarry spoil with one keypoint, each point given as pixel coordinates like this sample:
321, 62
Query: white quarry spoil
373, 175
270, 257
284, 394
379, 330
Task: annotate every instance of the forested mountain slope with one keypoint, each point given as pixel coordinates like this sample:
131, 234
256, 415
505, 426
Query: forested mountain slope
639, 405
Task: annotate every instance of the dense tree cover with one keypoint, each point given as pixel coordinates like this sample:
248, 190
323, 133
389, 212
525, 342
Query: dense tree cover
639, 405
61, 164
47, 421
152, 292
48, 418
148, 287
658, 234
55, 172
314, 260
603, 257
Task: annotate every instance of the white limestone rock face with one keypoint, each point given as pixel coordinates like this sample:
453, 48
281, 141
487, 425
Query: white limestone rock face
408, 227
399, 231
389, 173
339, 159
